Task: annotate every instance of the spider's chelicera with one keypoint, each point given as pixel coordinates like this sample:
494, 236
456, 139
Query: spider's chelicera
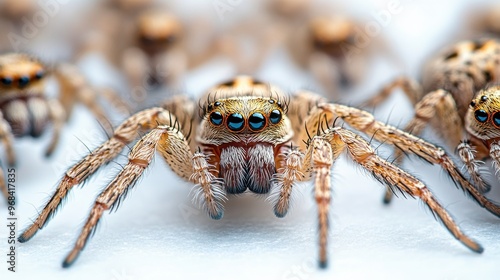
251, 137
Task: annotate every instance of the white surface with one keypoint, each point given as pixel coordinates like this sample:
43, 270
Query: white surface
158, 234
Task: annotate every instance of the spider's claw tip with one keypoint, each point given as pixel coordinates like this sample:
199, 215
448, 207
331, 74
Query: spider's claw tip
323, 264
23, 238
280, 213
217, 215
69, 261
478, 249
386, 201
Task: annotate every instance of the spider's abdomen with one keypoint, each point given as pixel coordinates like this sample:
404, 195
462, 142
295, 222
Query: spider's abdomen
26, 116
250, 167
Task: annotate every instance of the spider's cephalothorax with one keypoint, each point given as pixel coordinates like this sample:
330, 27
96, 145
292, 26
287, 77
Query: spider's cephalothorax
249, 135
25, 109
244, 131
451, 80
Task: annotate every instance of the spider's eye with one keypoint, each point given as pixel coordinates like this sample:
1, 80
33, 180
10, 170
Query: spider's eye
23, 81
39, 74
275, 116
235, 122
256, 121
496, 119
216, 118
6, 81
481, 115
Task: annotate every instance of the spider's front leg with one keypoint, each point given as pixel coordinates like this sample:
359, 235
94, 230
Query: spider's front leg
124, 134
322, 151
366, 123
7, 139
172, 145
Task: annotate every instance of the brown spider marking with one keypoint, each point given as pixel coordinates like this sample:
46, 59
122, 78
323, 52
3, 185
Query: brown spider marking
462, 72
245, 141
25, 110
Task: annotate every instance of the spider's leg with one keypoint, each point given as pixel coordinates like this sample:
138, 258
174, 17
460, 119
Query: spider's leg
113, 98
438, 108
467, 154
321, 156
124, 134
139, 159
171, 144
58, 117
3, 185
361, 152
410, 87
135, 65
75, 88
7, 138
365, 122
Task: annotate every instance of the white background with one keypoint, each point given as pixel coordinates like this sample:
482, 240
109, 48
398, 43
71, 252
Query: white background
158, 234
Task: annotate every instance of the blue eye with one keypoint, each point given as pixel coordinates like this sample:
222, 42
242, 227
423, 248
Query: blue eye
481, 115
275, 116
496, 118
216, 118
6, 81
256, 121
235, 122
39, 74
24, 81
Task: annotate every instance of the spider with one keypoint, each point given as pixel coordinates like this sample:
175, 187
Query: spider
150, 44
332, 47
25, 108
450, 81
250, 137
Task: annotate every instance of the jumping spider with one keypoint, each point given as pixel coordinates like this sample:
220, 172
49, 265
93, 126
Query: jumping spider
250, 136
25, 108
149, 43
459, 74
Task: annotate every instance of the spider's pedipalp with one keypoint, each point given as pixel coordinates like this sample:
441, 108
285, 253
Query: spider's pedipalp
467, 155
284, 181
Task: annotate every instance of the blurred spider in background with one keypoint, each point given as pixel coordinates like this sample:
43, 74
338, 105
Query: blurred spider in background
330, 46
148, 42
459, 74
27, 110
250, 136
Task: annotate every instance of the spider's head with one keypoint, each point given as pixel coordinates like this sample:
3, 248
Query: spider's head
331, 34
483, 116
158, 29
20, 71
245, 111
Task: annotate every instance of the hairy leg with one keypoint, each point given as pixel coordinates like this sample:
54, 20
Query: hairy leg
58, 118
411, 88
365, 122
124, 134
